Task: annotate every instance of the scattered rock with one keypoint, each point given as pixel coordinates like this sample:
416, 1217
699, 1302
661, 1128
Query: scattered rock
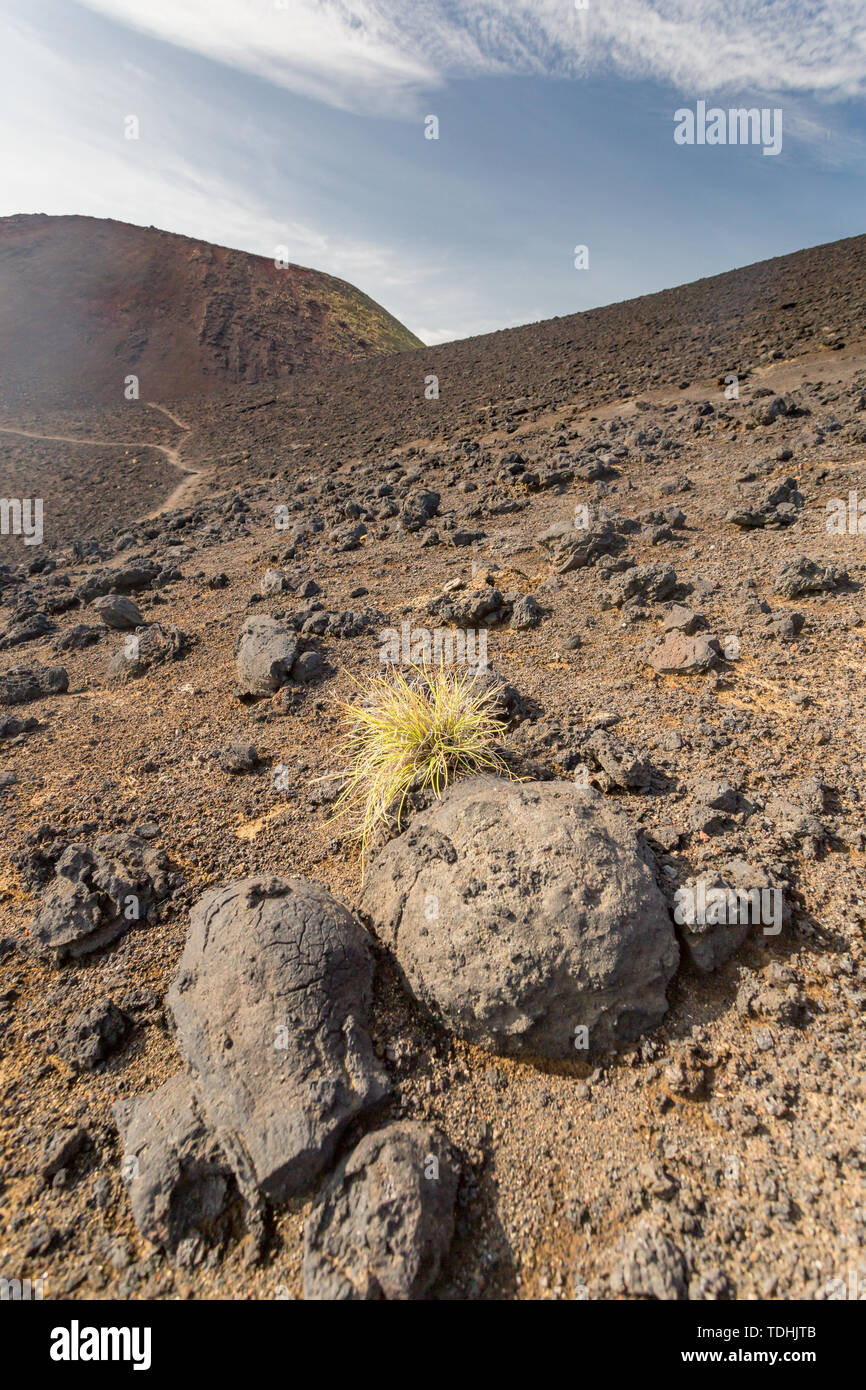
20, 684
383, 1223
793, 821
93, 1035
778, 507
14, 728
526, 613
350, 623
678, 618
678, 654
308, 667
145, 648
119, 612
265, 653
574, 547
239, 757
460, 606
97, 894
624, 767
772, 407
651, 1266
61, 1148
274, 582
418, 507
179, 1179
76, 638
785, 626
26, 629
804, 576
644, 584
714, 920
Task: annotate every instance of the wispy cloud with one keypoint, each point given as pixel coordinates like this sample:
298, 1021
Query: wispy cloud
70, 156
470, 234
381, 55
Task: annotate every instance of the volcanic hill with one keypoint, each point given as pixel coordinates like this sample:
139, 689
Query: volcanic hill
86, 302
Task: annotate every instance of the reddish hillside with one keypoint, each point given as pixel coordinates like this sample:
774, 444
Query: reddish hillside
86, 302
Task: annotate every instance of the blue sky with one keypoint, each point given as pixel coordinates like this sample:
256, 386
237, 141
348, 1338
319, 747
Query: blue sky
300, 123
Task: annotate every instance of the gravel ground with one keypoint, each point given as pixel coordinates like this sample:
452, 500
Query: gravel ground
722, 1156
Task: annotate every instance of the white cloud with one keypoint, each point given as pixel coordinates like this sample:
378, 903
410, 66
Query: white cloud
321, 50
70, 157
432, 336
207, 166
380, 55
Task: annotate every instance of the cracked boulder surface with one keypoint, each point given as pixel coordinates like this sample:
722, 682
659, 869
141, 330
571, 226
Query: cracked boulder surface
270, 1005
524, 913
382, 1224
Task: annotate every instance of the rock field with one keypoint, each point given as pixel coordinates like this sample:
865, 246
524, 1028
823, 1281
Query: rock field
514, 1058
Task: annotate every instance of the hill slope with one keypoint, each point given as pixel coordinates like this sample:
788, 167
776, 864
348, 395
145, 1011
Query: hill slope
84, 302
741, 322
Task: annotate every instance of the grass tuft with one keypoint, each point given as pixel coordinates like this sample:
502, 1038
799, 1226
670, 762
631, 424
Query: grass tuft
406, 735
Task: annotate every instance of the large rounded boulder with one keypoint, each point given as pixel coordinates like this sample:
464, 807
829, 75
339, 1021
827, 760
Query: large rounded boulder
271, 1004
526, 916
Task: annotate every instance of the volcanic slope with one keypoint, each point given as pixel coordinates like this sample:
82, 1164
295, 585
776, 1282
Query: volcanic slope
736, 324
87, 302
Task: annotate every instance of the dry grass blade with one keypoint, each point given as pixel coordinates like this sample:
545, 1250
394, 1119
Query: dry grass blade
407, 735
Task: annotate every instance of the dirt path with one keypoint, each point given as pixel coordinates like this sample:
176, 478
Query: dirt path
784, 375
79, 439
185, 488
177, 497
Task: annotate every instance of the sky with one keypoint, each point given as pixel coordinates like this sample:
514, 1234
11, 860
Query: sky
301, 124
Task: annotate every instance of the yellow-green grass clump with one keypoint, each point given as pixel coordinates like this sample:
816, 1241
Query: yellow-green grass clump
411, 732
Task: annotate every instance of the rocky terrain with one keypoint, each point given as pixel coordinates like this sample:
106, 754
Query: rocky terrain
86, 303
504, 1060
